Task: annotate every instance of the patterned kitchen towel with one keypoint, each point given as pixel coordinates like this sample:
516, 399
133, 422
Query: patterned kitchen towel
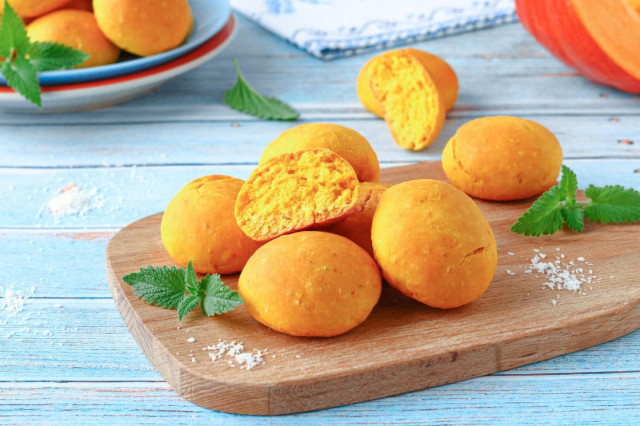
331, 29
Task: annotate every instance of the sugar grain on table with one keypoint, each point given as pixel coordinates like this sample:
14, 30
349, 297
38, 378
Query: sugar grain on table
75, 201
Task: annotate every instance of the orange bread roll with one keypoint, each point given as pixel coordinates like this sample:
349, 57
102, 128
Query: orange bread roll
345, 142
441, 72
411, 103
310, 284
295, 191
144, 27
199, 226
433, 243
502, 158
357, 226
77, 29
33, 8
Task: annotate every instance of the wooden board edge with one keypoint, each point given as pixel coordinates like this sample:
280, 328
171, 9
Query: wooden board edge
188, 384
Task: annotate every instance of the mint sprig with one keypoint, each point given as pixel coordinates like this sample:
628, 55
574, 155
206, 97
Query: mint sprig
244, 98
177, 288
608, 204
21, 60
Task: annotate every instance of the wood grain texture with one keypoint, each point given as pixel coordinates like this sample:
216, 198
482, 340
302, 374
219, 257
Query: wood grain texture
403, 346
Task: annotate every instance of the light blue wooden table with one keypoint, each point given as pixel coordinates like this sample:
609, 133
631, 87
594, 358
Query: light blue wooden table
69, 358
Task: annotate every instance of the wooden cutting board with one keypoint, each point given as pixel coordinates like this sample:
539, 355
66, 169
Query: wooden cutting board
403, 346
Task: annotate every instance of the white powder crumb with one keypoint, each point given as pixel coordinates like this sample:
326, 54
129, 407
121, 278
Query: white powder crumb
193, 360
536, 250
74, 201
612, 276
57, 305
554, 301
47, 332
191, 339
559, 275
13, 302
298, 356
511, 253
510, 273
235, 350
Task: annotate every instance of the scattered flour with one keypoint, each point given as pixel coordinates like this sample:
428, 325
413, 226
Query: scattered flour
235, 350
191, 339
72, 200
12, 301
560, 274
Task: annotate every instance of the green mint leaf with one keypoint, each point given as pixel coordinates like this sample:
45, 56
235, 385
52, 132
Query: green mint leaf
47, 56
190, 278
569, 183
573, 217
612, 204
188, 304
160, 286
244, 98
13, 34
219, 298
543, 217
22, 76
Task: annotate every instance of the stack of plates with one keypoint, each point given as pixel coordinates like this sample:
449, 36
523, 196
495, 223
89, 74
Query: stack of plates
98, 87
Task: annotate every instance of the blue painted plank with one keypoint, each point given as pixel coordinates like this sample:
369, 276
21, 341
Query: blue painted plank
241, 143
591, 399
501, 70
131, 193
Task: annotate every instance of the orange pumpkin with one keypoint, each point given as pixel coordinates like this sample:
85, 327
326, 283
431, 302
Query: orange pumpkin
598, 38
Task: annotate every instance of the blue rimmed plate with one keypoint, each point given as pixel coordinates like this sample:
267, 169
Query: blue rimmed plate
210, 16
81, 96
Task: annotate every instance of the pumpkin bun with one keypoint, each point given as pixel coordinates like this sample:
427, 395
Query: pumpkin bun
357, 226
77, 29
295, 191
344, 141
442, 73
310, 284
33, 8
409, 99
433, 243
502, 158
144, 27
199, 226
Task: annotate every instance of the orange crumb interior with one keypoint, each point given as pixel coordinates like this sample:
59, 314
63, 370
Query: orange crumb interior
410, 100
295, 191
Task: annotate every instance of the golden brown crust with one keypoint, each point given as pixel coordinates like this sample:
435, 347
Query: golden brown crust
296, 191
502, 158
357, 226
78, 29
144, 27
310, 284
199, 226
433, 243
344, 141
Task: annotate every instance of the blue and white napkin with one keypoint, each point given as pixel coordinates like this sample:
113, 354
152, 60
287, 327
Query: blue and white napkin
331, 29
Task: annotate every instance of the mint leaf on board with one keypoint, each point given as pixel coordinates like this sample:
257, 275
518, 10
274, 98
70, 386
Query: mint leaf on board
160, 286
188, 304
244, 98
47, 56
544, 216
21, 60
609, 204
178, 288
569, 183
573, 217
219, 298
612, 204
